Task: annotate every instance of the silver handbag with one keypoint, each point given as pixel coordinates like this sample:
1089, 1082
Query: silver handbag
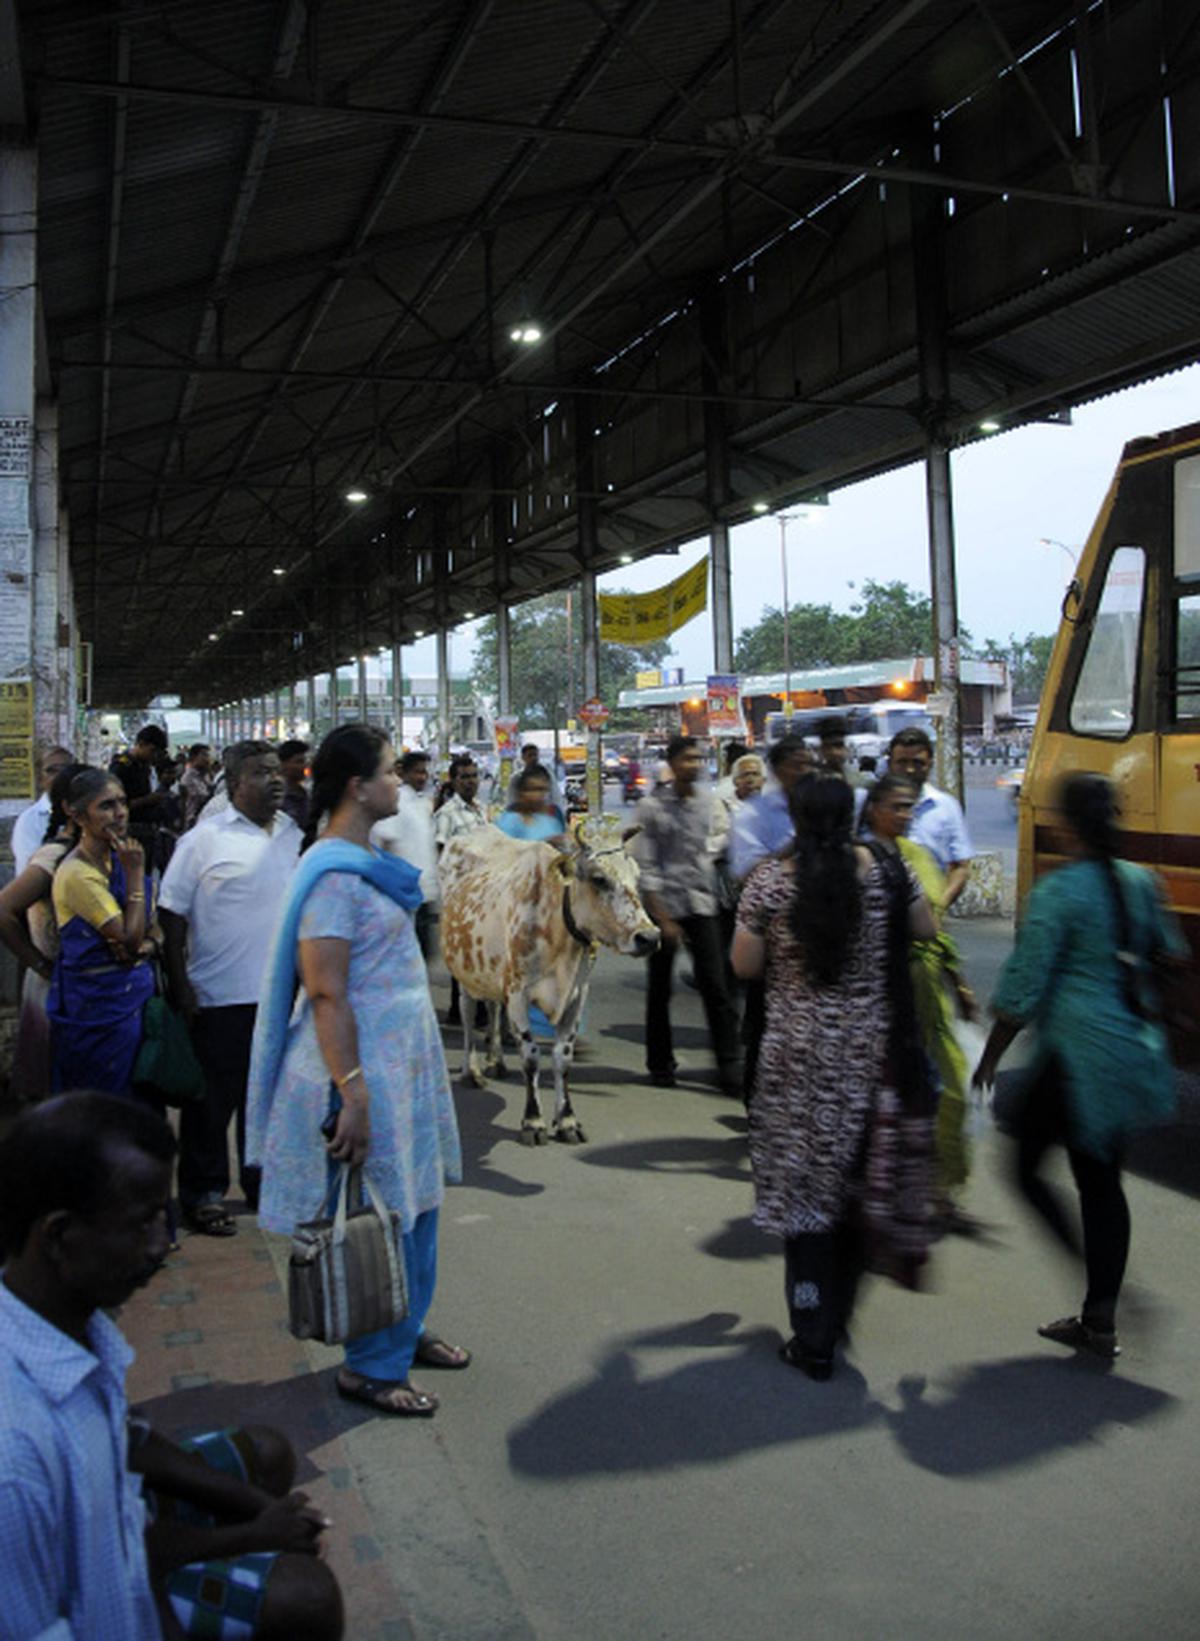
346, 1275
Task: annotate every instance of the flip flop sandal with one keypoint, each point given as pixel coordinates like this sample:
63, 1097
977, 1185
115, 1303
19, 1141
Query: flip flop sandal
1075, 1334
376, 1393
210, 1219
430, 1352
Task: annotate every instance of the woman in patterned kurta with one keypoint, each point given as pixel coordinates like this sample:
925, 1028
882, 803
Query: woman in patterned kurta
822, 1068
363, 1045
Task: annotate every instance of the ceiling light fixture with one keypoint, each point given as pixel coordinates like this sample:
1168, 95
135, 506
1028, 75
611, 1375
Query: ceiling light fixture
357, 495
212, 637
279, 570
469, 615
989, 426
760, 507
526, 331
237, 612
626, 558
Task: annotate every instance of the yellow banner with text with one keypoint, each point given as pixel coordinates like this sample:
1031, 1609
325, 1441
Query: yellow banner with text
634, 618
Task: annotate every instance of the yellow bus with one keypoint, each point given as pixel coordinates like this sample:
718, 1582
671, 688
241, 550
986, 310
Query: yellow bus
1122, 693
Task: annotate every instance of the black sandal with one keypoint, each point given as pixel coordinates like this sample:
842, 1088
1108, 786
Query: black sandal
816, 1367
210, 1219
377, 1393
431, 1353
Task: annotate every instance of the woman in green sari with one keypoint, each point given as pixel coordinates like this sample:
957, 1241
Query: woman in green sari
939, 990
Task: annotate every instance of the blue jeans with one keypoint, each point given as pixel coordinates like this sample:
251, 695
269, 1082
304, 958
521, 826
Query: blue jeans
388, 1354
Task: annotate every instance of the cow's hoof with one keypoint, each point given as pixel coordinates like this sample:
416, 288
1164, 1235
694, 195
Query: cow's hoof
497, 1069
570, 1133
534, 1133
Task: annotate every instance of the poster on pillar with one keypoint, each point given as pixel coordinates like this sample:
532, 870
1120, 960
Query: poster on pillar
724, 705
506, 731
635, 618
16, 739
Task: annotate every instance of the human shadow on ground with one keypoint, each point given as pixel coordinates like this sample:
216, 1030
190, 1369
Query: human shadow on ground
303, 1406
691, 1039
486, 1120
738, 1400
675, 1154
740, 1239
999, 1415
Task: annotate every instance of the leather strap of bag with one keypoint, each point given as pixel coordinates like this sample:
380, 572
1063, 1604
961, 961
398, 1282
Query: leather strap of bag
338, 1244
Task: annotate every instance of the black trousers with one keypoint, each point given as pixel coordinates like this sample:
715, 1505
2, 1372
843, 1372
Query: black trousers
223, 1039
821, 1276
1041, 1123
703, 938
425, 926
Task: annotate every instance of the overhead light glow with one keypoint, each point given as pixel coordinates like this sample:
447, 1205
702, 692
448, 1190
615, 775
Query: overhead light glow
527, 332
279, 570
626, 558
357, 495
212, 637
237, 612
469, 615
989, 426
420, 634
760, 506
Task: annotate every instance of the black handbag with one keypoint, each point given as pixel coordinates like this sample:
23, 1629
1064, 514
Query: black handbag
166, 1066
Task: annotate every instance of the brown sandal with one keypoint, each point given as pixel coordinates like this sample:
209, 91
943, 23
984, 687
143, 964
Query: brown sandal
433, 1352
378, 1394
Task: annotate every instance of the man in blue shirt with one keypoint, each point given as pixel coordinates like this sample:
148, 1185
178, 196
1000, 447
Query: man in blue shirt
937, 821
764, 825
84, 1183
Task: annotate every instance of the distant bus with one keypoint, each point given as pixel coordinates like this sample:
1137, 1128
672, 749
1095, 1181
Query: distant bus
870, 725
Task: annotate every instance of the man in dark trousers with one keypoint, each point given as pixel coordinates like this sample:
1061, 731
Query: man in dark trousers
676, 849
84, 1185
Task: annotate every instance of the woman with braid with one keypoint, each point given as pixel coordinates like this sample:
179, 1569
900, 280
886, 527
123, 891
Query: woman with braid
359, 1057
1095, 941
841, 1125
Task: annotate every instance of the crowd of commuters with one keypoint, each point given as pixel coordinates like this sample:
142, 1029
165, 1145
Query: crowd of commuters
291, 918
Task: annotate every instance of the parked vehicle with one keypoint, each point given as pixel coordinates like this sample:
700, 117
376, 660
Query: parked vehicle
1122, 692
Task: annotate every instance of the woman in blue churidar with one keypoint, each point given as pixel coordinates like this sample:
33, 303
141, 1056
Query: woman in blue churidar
1094, 939
531, 817
361, 1042
102, 979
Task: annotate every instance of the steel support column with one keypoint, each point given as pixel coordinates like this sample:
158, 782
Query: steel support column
500, 518
587, 524
714, 350
364, 704
927, 214
397, 692
310, 705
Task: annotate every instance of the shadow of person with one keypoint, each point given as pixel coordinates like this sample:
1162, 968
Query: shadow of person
740, 1239
998, 1415
675, 1154
480, 1132
302, 1406
737, 1400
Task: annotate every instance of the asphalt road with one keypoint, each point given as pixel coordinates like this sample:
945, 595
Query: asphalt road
628, 1457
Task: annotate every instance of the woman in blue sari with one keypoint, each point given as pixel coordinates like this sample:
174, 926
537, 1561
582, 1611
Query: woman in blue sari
102, 976
360, 1049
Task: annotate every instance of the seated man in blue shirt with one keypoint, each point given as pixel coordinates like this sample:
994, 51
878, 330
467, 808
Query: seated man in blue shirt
84, 1182
937, 820
764, 825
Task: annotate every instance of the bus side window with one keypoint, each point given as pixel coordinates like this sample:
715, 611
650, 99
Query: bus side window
1186, 671
1105, 692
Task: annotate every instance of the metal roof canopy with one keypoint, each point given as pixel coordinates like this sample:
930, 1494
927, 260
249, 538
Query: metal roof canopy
282, 246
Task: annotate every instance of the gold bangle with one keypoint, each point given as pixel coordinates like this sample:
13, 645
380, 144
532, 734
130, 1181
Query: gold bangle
340, 1082
135, 897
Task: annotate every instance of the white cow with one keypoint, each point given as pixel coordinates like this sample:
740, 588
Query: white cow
521, 923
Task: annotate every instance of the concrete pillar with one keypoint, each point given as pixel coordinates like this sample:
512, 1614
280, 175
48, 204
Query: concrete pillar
364, 701
310, 705
927, 214
715, 378
587, 524
25, 699
397, 691
444, 706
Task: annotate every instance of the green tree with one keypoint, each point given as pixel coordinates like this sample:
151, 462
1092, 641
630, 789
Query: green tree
1027, 658
545, 668
887, 620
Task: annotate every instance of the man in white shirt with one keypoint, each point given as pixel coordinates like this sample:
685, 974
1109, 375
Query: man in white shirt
220, 900
409, 834
461, 812
29, 828
937, 820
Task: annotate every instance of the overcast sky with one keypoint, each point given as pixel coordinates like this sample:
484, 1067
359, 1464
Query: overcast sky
1009, 490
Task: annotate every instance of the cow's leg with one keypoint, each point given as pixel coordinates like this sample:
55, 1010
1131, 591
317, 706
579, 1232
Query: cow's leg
566, 1125
494, 1064
533, 1124
471, 1069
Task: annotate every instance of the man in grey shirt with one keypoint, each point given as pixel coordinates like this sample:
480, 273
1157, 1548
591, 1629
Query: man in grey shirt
678, 882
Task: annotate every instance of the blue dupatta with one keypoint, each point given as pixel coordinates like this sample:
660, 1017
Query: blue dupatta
387, 873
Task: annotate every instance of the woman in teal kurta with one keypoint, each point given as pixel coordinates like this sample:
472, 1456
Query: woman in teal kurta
1083, 972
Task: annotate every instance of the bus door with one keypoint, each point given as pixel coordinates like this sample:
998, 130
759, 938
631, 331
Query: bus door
1102, 688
